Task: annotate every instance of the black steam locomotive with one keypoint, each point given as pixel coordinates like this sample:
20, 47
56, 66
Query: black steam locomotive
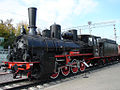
44, 56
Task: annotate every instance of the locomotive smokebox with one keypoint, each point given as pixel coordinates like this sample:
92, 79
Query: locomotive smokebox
32, 20
55, 31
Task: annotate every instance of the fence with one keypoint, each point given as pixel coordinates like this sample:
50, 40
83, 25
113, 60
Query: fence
3, 55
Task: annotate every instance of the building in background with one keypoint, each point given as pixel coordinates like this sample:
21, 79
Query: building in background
1, 40
3, 52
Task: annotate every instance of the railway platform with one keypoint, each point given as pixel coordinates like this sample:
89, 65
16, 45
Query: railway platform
106, 78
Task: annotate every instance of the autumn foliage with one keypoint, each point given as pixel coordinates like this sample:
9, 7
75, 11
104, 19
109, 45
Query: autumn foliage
9, 32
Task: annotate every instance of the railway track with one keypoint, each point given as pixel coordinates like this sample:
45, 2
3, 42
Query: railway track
35, 84
17, 84
4, 73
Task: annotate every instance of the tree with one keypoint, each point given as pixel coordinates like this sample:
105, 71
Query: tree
8, 32
19, 27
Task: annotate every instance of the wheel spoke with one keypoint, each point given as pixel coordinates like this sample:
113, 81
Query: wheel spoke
65, 70
82, 67
104, 61
74, 68
55, 74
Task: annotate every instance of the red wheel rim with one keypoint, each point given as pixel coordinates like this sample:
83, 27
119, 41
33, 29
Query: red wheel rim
55, 75
29, 75
74, 68
109, 59
82, 67
104, 61
65, 70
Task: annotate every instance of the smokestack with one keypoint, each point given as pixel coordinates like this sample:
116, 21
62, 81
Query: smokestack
32, 20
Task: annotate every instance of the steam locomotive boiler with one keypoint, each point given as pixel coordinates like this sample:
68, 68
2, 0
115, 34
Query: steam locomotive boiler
46, 55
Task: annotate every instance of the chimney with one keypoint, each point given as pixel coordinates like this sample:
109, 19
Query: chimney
32, 20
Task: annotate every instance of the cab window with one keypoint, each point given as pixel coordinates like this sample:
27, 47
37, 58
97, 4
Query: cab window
90, 41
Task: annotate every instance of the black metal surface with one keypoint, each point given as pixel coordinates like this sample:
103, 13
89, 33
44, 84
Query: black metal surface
71, 35
67, 35
74, 32
46, 33
109, 47
32, 20
55, 31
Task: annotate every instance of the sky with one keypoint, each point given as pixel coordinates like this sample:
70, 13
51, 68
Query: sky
67, 13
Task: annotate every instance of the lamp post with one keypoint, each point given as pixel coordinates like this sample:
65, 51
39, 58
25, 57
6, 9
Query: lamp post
115, 32
89, 23
80, 31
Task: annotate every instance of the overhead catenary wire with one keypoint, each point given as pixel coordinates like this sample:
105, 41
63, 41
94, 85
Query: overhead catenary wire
91, 25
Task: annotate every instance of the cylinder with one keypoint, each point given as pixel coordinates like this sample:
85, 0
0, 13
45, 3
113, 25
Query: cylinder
46, 33
32, 20
55, 31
